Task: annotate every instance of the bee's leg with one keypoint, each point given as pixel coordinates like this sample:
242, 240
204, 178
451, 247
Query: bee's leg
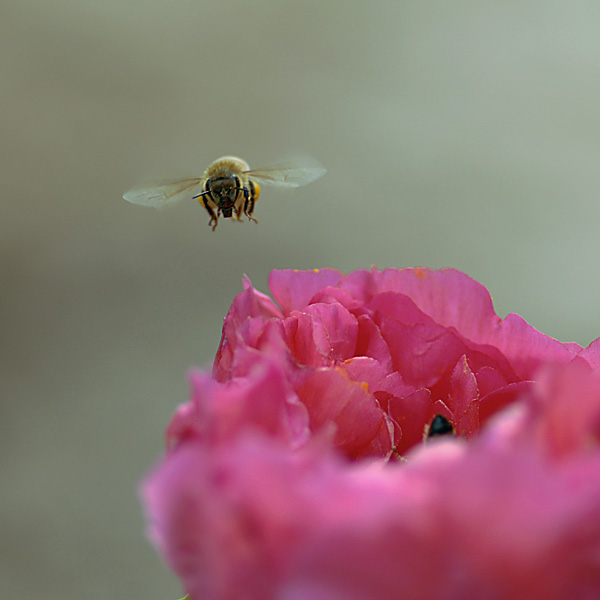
249, 209
241, 202
213, 217
238, 207
251, 198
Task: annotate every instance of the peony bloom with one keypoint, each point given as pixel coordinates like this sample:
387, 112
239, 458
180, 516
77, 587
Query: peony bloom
298, 469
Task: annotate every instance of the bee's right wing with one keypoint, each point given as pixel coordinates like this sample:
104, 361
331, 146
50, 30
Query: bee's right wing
289, 174
162, 193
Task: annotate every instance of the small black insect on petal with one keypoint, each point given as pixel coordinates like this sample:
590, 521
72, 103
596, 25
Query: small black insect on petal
439, 426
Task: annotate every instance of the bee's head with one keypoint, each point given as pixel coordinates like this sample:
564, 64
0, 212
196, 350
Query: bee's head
222, 185
224, 191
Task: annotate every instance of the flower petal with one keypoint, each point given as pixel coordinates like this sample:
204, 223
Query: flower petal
331, 397
294, 290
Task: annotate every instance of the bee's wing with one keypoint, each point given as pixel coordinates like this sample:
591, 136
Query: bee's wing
162, 193
289, 175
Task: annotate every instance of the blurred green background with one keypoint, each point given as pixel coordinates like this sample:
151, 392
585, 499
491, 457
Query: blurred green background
462, 134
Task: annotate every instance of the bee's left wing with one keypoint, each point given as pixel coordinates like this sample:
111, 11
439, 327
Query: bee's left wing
289, 175
162, 193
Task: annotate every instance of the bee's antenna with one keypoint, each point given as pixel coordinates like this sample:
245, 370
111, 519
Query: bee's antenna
202, 194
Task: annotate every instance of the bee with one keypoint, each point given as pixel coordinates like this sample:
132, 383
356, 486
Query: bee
228, 187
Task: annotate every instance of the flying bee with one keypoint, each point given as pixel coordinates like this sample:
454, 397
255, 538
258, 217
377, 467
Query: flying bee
228, 187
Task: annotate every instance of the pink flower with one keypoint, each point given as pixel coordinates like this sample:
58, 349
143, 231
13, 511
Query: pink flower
263, 493
380, 353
